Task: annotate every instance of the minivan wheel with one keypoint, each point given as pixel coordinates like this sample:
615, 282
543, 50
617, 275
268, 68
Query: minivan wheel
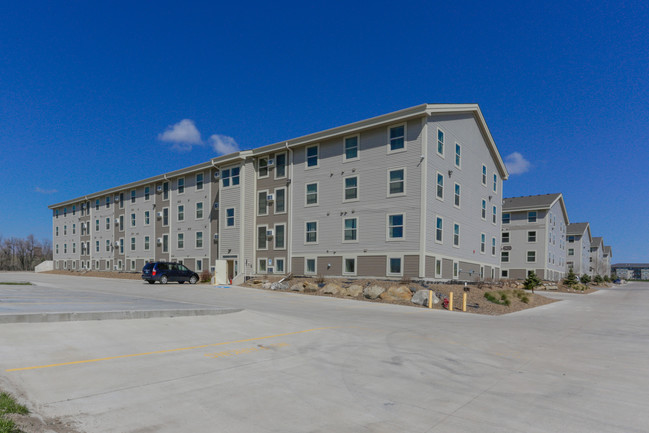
164, 279
193, 279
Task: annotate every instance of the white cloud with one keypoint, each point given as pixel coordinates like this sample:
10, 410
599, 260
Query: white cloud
516, 163
45, 191
223, 145
183, 135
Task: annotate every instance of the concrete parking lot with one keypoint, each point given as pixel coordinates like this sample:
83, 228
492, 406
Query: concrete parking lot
295, 363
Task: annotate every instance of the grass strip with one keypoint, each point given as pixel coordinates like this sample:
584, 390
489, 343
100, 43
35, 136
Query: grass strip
9, 405
9, 283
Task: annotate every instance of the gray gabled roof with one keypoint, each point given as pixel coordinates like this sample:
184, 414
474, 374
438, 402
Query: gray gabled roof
535, 202
597, 242
576, 228
608, 250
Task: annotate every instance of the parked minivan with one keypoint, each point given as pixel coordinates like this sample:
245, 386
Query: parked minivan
167, 271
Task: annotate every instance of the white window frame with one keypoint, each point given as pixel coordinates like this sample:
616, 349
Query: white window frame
494, 246
265, 230
306, 266
502, 238
259, 167
165, 210
387, 227
355, 259
277, 260
358, 148
133, 243
147, 218
147, 194
527, 256
504, 256
180, 237
200, 184
397, 194
387, 265
439, 231
133, 219
306, 194
147, 243
317, 223
196, 239
180, 185
285, 165
349, 200
229, 179
233, 217
405, 141
443, 142
494, 214
356, 230
509, 217
275, 237
458, 156
457, 195
529, 215
440, 263
439, 176
535, 237
275, 211
484, 175
483, 209
458, 234
262, 193
495, 182
306, 157
180, 214
483, 243
262, 262
202, 210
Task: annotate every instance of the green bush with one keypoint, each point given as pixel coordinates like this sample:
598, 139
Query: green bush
571, 279
598, 279
532, 281
585, 279
502, 299
8, 426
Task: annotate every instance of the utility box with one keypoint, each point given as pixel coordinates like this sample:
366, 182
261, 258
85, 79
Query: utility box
221, 272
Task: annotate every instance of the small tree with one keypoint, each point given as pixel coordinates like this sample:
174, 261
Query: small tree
571, 279
532, 281
607, 278
598, 279
585, 279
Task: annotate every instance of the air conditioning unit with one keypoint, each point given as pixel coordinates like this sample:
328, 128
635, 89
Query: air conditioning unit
271, 162
217, 174
216, 205
116, 244
270, 233
159, 240
159, 214
116, 220
116, 199
270, 270
216, 236
270, 197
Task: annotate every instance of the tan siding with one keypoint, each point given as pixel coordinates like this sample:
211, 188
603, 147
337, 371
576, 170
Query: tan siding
297, 265
447, 269
371, 265
430, 267
411, 266
470, 271
336, 263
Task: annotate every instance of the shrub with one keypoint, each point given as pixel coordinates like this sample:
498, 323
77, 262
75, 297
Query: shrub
585, 279
502, 299
598, 279
320, 279
206, 277
571, 279
532, 281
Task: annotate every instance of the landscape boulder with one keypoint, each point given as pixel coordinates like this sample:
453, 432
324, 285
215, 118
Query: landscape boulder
266, 285
279, 286
421, 298
354, 290
331, 289
373, 292
394, 293
310, 288
299, 287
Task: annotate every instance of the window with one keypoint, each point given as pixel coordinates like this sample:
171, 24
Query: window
440, 142
121, 246
147, 217
165, 243
350, 230
181, 212
493, 246
147, 193
132, 244
199, 265
571, 251
280, 200
107, 202
262, 240
74, 229
57, 231
229, 217
571, 239
230, 176
349, 266
439, 223
279, 266
395, 226
483, 241
531, 236
132, 220
505, 238
65, 228
506, 218
263, 167
132, 265
484, 175
280, 165
181, 185
107, 223
495, 185
262, 203
483, 207
457, 195
121, 200
199, 181
165, 216
351, 188
261, 266
181, 241
65, 248
310, 266
280, 230
531, 256
74, 210
440, 186
531, 217
312, 156
311, 194
199, 210
504, 256
351, 148
74, 247
311, 232
458, 156
199, 239
396, 182
133, 196
456, 235
97, 246
147, 243
57, 248
394, 265
56, 213
504, 273
456, 270
165, 191
397, 138
494, 213
96, 206
107, 245
96, 227
438, 268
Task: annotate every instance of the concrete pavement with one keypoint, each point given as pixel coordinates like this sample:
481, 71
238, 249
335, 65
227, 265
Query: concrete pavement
295, 363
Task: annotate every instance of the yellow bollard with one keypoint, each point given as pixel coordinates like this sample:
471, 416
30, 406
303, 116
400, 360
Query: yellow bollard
464, 302
430, 299
450, 301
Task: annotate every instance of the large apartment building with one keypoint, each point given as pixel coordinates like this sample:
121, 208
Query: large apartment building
534, 236
414, 193
578, 237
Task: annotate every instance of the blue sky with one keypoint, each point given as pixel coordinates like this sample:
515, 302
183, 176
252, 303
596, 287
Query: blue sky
87, 90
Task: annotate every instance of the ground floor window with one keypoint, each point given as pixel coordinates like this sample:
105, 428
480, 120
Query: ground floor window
394, 266
504, 273
279, 266
456, 270
438, 268
310, 266
199, 265
132, 265
349, 266
261, 266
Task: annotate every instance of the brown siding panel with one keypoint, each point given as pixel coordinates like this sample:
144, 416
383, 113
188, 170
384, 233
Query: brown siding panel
430, 267
447, 269
411, 266
336, 263
371, 266
297, 265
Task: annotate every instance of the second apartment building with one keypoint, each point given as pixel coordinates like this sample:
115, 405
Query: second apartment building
415, 193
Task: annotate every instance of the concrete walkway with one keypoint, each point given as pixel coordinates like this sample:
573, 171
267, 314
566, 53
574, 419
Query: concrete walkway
295, 363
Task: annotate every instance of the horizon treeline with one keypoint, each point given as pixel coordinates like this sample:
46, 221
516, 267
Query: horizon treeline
23, 254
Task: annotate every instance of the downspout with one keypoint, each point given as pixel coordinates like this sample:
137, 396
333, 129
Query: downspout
218, 227
289, 228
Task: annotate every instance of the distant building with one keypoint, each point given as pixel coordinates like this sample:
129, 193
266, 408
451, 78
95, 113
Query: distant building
626, 274
534, 236
631, 271
578, 239
608, 254
597, 263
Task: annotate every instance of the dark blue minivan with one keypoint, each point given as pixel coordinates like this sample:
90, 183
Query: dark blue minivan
166, 272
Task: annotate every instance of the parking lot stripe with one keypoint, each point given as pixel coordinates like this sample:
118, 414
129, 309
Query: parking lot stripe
157, 352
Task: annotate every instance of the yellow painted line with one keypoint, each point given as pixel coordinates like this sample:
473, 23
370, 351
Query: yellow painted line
157, 352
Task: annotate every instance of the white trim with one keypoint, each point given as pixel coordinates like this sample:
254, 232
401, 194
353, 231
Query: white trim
317, 194
317, 238
405, 138
275, 237
178, 185
459, 235
315, 266
257, 247
358, 148
258, 208
354, 241
443, 143
261, 158
459, 196
202, 182
196, 217
387, 227
483, 245
405, 174
350, 257
437, 177
286, 164
390, 256
275, 212
346, 200
441, 230
306, 156
455, 155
